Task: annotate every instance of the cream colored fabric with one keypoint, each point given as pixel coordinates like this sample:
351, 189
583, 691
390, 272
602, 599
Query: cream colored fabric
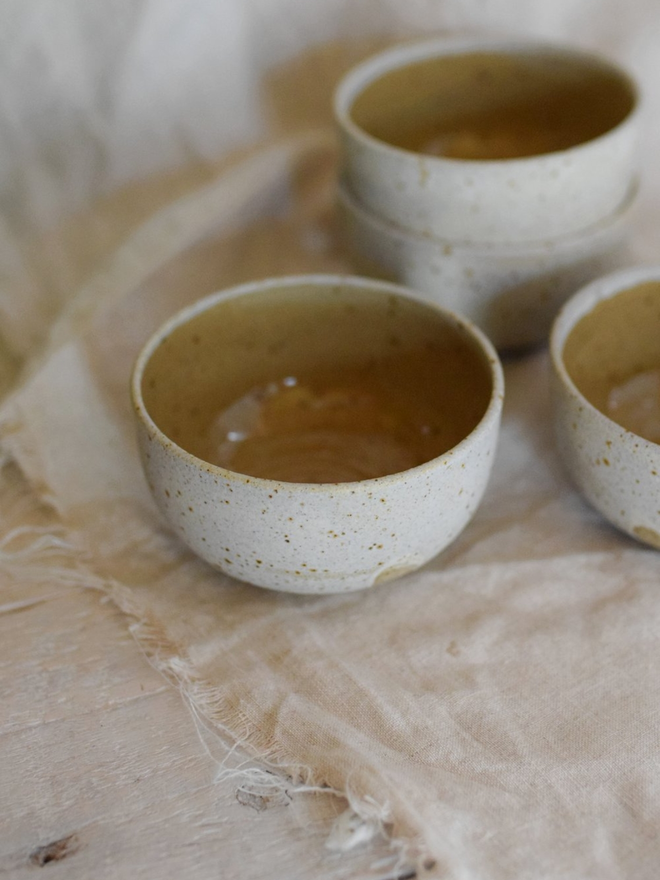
498, 711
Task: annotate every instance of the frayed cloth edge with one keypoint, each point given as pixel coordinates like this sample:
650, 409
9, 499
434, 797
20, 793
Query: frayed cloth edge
263, 775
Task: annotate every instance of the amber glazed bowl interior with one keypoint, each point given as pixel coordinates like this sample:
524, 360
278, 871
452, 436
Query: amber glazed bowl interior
486, 104
488, 141
365, 427
605, 348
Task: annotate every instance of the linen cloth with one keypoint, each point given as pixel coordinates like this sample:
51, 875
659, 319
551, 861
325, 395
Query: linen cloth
496, 712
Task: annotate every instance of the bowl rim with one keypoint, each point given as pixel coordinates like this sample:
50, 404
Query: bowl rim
504, 249
363, 74
571, 313
180, 318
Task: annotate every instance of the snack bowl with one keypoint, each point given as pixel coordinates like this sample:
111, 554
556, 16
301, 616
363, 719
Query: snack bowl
490, 141
512, 292
605, 351
414, 393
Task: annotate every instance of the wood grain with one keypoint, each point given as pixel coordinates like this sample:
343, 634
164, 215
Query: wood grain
103, 771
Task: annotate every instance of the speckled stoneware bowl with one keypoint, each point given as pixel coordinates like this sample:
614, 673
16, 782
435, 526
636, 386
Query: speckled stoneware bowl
314, 537
605, 348
512, 292
488, 141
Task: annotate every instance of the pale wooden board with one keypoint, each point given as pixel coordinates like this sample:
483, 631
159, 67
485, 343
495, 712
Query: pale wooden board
94, 744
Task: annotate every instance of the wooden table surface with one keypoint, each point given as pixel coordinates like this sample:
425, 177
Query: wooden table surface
103, 773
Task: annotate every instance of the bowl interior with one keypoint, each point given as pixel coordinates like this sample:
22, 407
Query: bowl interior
317, 383
488, 105
612, 356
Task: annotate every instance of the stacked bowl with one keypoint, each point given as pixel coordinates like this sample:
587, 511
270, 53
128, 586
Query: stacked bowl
495, 178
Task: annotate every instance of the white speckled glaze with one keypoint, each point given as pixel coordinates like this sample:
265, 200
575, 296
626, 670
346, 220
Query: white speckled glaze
617, 470
508, 200
318, 538
512, 292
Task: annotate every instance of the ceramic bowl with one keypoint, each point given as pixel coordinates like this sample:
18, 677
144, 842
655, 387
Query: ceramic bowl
605, 349
488, 141
512, 292
315, 537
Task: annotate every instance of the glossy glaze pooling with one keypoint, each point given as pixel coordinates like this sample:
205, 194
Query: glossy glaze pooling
617, 339
362, 369
312, 537
606, 333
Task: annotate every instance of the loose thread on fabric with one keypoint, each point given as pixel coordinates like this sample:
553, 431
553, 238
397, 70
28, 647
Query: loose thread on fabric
264, 779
